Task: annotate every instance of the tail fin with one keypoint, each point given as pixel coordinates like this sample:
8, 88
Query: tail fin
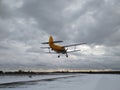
51, 41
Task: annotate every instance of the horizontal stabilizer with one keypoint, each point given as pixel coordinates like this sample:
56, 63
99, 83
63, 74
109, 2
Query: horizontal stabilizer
57, 41
53, 42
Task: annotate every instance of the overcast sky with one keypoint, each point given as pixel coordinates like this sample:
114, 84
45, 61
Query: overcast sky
25, 24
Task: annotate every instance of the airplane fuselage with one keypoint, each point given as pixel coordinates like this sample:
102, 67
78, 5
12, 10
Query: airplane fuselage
56, 48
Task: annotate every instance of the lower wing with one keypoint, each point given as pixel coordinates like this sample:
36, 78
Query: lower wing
67, 52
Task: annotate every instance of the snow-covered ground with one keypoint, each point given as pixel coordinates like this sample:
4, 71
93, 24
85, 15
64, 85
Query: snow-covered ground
61, 82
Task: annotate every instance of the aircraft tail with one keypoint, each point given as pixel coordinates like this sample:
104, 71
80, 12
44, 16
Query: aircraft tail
51, 41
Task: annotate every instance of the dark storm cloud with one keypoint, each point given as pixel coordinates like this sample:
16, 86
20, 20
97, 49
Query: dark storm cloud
100, 21
4, 11
95, 22
48, 15
3, 32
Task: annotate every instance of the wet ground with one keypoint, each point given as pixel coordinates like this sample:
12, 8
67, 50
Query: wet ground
61, 82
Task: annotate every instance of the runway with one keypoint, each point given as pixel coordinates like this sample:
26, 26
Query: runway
61, 82
32, 82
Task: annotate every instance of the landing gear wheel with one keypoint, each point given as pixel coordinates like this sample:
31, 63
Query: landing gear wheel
67, 56
58, 56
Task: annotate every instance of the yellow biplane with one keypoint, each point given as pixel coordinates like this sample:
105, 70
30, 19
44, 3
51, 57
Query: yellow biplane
59, 48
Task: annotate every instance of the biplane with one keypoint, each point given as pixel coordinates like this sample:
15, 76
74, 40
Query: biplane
59, 49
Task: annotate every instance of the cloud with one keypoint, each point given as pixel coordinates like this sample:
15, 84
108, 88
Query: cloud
25, 24
4, 11
94, 22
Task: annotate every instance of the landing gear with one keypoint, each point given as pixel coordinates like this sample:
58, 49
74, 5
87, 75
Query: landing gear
66, 55
58, 56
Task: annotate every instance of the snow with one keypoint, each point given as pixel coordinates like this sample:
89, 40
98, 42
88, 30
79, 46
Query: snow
63, 82
16, 78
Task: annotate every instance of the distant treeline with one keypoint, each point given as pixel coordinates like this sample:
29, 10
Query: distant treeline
20, 72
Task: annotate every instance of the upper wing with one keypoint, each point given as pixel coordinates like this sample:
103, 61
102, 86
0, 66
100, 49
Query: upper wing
74, 45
